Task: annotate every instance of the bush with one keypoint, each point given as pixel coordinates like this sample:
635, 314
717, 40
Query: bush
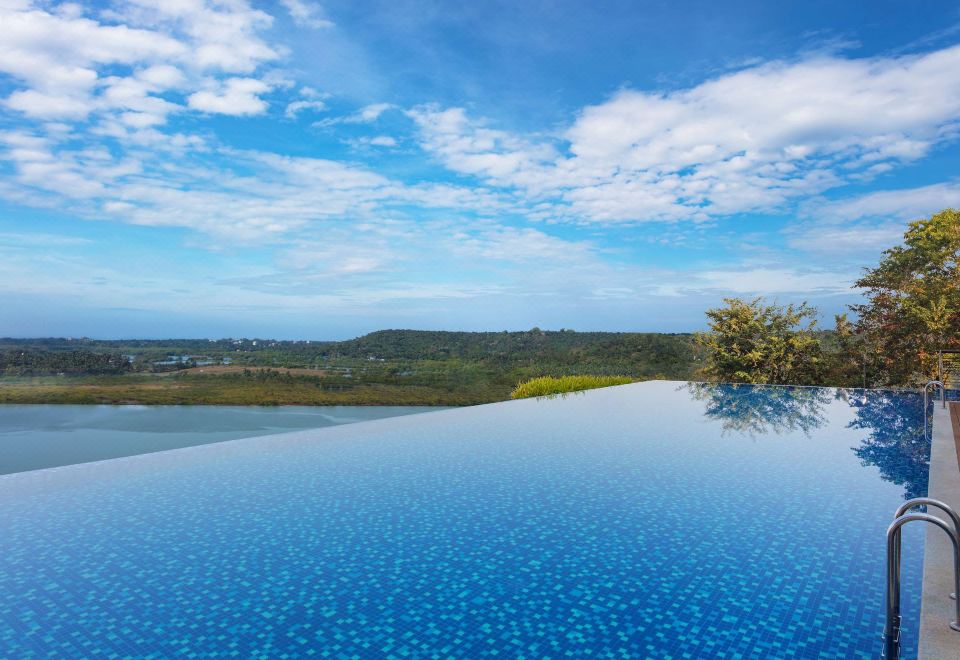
548, 385
752, 342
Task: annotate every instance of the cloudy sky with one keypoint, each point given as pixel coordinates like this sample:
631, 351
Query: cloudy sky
303, 169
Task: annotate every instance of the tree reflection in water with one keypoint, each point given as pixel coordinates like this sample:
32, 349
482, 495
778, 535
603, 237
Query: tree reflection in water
760, 409
895, 443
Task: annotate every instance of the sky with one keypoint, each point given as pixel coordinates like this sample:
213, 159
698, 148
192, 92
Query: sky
319, 170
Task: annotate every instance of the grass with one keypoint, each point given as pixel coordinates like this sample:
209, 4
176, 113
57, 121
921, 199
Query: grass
373, 385
357, 382
548, 385
230, 389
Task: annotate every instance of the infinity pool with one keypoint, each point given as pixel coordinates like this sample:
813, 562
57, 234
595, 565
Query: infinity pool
658, 519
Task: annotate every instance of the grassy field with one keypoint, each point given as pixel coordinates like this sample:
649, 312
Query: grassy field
232, 389
549, 386
221, 369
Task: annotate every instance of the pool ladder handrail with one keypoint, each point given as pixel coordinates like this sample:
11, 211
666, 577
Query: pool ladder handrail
926, 401
891, 628
926, 393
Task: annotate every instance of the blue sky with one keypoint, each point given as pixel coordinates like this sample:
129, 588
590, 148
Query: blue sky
316, 170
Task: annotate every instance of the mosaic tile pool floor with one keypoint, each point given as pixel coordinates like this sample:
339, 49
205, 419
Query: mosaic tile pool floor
658, 519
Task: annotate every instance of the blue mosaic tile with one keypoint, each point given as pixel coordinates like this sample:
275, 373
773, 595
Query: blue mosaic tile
652, 520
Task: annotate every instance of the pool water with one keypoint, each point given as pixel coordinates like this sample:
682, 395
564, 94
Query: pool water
658, 519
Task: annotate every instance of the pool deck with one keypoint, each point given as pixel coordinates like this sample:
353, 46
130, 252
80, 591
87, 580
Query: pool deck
937, 640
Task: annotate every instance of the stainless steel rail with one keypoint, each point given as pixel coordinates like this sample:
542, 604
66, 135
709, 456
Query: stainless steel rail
926, 393
891, 629
929, 502
926, 402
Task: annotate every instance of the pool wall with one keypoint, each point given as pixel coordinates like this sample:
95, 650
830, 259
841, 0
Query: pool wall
937, 639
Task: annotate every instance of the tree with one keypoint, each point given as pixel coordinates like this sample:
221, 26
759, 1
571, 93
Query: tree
38, 363
752, 342
912, 307
845, 355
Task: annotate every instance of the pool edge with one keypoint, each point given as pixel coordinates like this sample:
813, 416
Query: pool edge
937, 640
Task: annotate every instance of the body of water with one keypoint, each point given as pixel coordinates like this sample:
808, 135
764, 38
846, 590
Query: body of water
663, 520
33, 437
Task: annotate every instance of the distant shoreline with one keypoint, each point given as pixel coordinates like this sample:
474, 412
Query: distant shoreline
386, 368
219, 391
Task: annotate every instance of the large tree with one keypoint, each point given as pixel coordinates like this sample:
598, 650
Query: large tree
912, 307
753, 342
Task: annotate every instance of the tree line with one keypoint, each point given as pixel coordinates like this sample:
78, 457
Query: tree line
910, 312
408, 355
39, 363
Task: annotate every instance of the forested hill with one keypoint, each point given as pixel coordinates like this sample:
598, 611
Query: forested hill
667, 351
563, 351
390, 367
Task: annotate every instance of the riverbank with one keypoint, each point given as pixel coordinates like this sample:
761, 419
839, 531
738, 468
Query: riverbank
269, 388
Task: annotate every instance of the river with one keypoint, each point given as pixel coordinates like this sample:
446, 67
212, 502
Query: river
33, 437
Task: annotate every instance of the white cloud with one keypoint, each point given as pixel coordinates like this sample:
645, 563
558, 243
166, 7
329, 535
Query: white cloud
753, 140
372, 112
864, 225
375, 141
162, 76
56, 57
852, 242
39, 240
250, 195
306, 13
39, 46
296, 107
220, 36
365, 115
124, 65
135, 95
235, 96
497, 156
773, 280
903, 204
311, 93
355, 252
50, 106
340, 243
94, 89
521, 245
310, 99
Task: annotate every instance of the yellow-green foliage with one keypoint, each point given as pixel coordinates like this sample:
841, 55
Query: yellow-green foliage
547, 385
753, 342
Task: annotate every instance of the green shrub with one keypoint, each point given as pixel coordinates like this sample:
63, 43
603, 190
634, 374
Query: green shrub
547, 385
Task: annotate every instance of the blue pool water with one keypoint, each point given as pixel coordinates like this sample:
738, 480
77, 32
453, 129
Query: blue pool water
658, 519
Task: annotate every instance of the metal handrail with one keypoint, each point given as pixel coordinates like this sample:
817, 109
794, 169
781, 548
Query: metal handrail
926, 393
926, 402
928, 502
891, 628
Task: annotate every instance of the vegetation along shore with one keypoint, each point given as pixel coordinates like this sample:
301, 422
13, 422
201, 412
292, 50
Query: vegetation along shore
391, 367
